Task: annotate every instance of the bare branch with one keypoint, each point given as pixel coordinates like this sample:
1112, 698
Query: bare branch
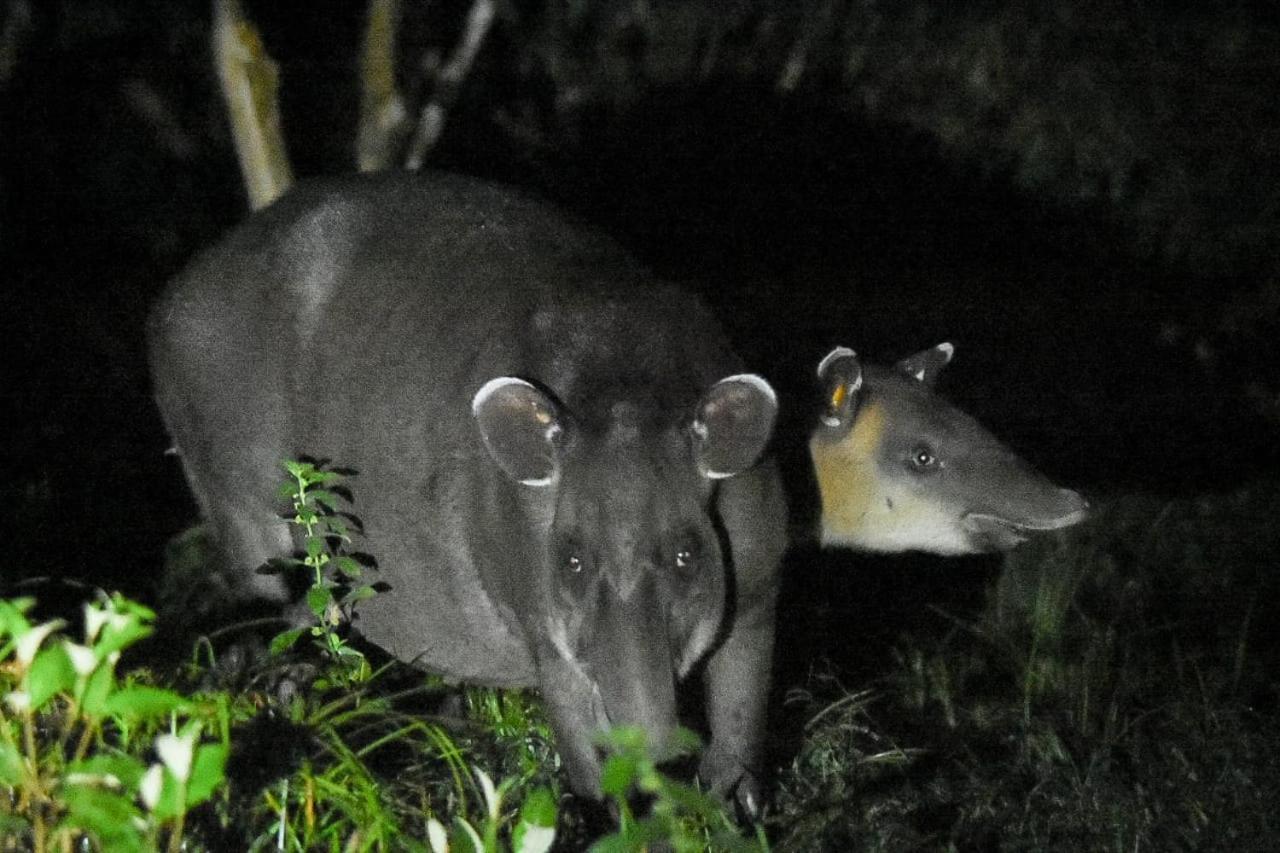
384, 120
250, 85
13, 37
432, 119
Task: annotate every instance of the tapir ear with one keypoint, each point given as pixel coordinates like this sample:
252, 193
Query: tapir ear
732, 425
840, 373
519, 424
927, 364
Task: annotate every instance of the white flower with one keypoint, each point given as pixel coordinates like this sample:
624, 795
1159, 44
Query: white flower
83, 660
150, 786
176, 751
491, 798
436, 836
94, 618
537, 839
108, 780
27, 646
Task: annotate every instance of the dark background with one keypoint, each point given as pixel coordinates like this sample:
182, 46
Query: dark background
1082, 196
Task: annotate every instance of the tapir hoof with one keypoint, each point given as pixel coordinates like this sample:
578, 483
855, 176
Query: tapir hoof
727, 778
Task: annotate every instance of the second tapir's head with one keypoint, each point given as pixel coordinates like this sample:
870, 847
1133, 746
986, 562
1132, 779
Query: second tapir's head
900, 469
635, 579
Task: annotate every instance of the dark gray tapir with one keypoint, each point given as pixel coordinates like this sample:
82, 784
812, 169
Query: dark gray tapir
557, 456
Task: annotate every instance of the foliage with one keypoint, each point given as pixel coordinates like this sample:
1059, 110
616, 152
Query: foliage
1110, 698
72, 733
679, 817
333, 571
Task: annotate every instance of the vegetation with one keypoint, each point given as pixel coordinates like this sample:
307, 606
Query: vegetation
357, 758
1109, 698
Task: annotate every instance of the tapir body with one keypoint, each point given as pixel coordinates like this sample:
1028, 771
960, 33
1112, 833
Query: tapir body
556, 455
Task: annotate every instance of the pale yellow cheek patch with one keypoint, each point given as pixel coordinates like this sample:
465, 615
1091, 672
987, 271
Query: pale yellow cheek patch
846, 474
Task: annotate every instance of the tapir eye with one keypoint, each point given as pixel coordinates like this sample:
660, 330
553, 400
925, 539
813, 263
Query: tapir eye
685, 559
574, 564
923, 458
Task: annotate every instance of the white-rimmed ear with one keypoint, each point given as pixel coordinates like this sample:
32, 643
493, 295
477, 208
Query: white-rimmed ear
732, 425
520, 425
925, 365
840, 373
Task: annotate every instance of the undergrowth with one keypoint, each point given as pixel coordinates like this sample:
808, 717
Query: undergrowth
1110, 697
300, 746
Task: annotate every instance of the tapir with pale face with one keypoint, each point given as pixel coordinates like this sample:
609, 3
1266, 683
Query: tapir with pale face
901, 469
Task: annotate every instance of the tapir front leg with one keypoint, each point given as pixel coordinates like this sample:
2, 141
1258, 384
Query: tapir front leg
739, 671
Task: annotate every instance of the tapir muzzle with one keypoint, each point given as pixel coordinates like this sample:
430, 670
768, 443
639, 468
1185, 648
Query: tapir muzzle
632, 664
1047, 509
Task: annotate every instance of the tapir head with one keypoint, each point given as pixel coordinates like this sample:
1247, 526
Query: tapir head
900, 469
635, 583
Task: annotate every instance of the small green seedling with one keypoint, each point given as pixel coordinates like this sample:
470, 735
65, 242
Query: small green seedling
333, 571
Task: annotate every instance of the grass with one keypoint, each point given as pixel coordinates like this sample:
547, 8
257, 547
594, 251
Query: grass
1110, 697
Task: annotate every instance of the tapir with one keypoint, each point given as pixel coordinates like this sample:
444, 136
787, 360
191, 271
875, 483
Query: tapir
898, 468
559, 458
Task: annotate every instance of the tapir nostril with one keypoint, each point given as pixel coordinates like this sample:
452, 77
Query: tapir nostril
1075, 501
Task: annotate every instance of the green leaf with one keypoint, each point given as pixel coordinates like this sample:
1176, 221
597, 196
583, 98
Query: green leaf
337, 527
119, 636
530, 838
125, 769
102, 683
207, 772
297, 469
619, 773
284, 641
51, 673
629, 739
315, 547
682, 742
11, 769
349, 567
13, 621
537, 827
279, 566
360, 593
465, 838
539, 808
142, 702
168, 805
318, 598
325, 498
104, 814
128, 606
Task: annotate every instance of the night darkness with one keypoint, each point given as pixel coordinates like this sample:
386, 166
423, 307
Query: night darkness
1084, 199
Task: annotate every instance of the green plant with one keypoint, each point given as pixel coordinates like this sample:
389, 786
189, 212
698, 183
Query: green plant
71, 733
680, 815
533, 832
333, 571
